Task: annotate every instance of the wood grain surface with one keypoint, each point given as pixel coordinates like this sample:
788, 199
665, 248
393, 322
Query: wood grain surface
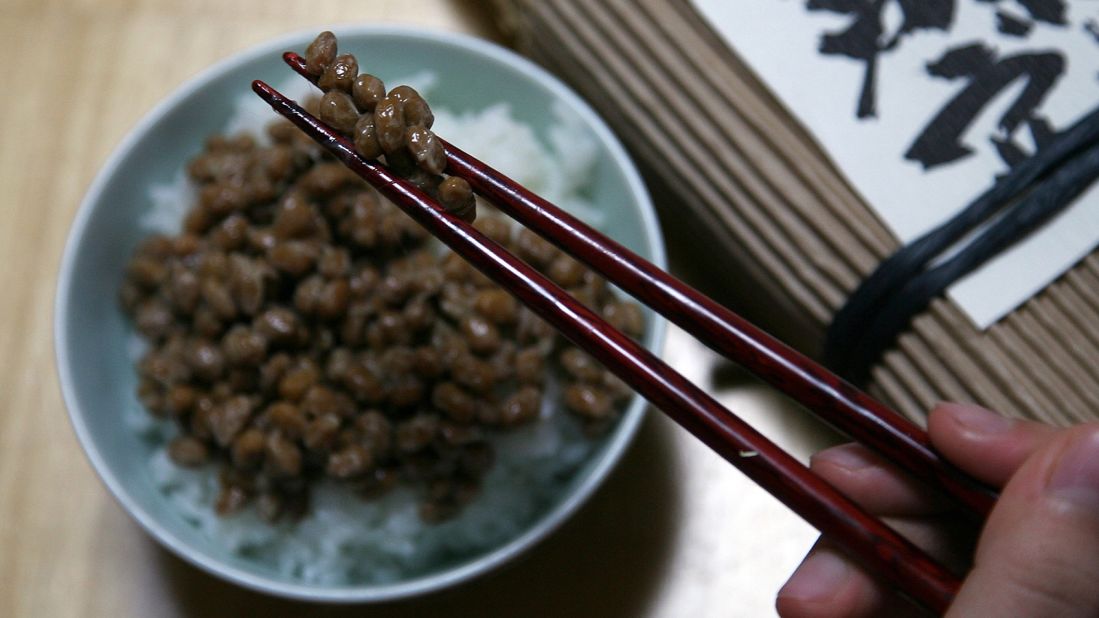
674, 532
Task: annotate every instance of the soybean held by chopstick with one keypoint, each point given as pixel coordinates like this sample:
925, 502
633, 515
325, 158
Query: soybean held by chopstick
826, 395
867, 539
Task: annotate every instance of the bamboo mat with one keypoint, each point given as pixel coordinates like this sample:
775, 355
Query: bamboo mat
768, 205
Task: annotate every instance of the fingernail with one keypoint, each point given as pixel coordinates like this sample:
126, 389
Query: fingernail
1075, 476
818, 578
850, 457
978, 420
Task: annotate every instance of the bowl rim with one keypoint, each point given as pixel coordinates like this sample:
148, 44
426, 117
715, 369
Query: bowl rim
365, 593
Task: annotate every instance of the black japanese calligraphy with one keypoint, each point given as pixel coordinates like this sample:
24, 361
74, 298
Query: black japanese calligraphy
867, 37
987, 75
878, 27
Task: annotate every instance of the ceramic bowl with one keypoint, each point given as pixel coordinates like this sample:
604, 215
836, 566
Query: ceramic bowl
94, 340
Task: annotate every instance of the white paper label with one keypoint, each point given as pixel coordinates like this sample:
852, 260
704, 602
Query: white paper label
873, 80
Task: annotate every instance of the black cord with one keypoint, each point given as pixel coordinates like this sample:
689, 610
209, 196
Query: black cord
903, 286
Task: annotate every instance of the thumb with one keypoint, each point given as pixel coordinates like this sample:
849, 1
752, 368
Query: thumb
1039, 552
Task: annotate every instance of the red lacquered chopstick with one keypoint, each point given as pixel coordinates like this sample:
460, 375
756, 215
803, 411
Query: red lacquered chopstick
864, 537
823, 393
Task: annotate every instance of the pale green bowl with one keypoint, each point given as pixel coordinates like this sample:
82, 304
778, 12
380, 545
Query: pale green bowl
98, 380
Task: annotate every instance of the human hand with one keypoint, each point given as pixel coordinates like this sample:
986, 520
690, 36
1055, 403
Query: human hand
1038, 554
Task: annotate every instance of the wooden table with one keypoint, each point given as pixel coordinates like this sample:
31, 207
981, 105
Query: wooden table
675, 531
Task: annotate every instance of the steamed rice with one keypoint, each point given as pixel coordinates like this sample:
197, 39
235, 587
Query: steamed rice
344, 539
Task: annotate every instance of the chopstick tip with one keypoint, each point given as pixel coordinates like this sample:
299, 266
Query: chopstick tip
297, 63
266, 92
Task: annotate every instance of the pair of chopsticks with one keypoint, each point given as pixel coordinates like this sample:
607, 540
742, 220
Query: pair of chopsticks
840, 404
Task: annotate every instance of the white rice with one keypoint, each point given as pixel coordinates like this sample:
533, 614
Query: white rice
345, 540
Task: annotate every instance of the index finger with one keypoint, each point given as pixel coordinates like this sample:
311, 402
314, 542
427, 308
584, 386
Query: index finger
875, 484
984, 444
